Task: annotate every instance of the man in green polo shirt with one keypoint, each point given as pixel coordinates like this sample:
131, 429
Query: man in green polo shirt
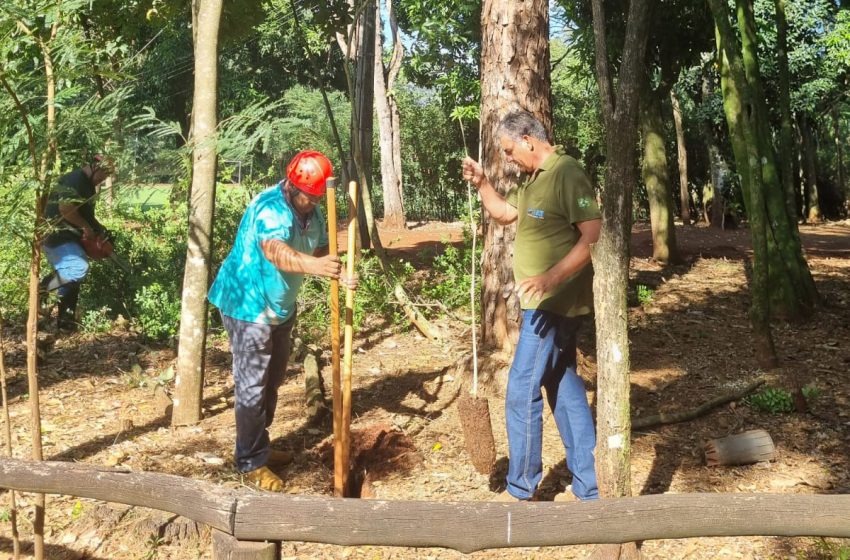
557, 221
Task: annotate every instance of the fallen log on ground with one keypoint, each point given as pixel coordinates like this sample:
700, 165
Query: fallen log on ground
685, 415
463, 526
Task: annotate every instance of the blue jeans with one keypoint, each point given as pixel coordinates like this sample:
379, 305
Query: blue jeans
70, 262
546, 357
260, 354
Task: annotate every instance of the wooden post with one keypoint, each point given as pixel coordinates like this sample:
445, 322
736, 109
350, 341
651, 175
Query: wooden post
227, 547
333, 249
349, 339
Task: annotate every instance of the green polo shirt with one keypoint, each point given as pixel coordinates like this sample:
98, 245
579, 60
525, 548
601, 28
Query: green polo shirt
549, 204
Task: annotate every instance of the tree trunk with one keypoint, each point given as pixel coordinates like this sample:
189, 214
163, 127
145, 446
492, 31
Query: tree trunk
611, 252
786, 132
682, 158
716, 163
656, 178
810, 172
189, 381
740, 117
359, 47
388, 121
839, 152
514, 73
793, 294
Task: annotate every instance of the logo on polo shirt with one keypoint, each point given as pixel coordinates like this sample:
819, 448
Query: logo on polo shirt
584, 202
535, 213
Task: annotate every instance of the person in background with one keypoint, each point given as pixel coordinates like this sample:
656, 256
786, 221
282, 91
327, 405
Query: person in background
282, 237
75, 231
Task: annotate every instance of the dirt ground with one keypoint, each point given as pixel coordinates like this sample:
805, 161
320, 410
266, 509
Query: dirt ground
104, 403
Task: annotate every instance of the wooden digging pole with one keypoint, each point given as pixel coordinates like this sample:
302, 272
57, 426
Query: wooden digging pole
345, 434
333, 249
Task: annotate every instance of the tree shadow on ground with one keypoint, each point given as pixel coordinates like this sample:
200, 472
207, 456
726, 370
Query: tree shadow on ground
52, 551
98, 444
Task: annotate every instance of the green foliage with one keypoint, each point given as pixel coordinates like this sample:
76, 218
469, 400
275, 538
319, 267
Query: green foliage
159, 311
77, 510
644, 294
832, 549
776, 400
96, 320
5, 515
772, 400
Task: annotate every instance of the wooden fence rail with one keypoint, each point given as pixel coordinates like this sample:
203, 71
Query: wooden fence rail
463, 526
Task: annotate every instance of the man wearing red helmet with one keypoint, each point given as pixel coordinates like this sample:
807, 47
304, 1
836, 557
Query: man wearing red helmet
282, 237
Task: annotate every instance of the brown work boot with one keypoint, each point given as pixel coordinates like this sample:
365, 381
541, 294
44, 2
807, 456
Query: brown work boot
507, 497
279, 458
264, 479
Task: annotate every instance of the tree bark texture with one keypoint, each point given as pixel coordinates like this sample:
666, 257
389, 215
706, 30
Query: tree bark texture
786, 131
682, 158
793, 294
810, 171
189, 379
740, 117
839, 152
514, 74
611, 252
717, 165
387, 112
656, 178
361, 50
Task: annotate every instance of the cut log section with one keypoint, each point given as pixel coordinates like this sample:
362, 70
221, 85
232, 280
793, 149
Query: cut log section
753, 446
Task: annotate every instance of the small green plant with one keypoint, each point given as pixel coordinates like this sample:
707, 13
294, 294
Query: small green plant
811, 393
829, 549
772, 400
644, 294
158, 312
97, 320
5, 515
77, 510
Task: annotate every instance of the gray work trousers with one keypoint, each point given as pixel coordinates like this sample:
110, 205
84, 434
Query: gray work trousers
260, 354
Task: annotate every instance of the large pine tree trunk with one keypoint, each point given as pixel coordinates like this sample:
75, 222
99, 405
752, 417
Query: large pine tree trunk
189, 380
611, 253
388, 120
682, 158
656, 178
514, 73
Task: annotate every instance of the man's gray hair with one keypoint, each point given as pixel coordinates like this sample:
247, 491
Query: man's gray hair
518, 123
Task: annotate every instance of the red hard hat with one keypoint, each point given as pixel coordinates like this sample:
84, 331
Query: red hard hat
308, 171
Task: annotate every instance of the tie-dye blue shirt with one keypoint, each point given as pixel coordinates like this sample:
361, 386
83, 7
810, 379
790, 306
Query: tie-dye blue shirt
248, 286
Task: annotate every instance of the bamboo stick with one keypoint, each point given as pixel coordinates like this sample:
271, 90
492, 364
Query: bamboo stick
333, 249
349, 337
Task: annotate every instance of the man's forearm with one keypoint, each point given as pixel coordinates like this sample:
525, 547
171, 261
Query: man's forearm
572, 262
72, 216
495, 204
286, 258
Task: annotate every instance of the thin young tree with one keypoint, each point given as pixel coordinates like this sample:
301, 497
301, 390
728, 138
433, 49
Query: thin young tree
387, 112
189, 379
514, 72
611, 253
681, 158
